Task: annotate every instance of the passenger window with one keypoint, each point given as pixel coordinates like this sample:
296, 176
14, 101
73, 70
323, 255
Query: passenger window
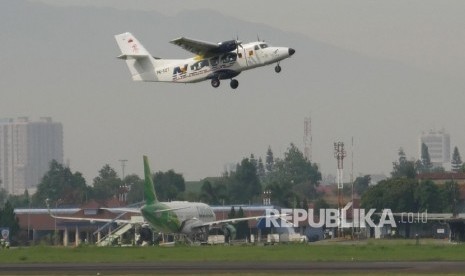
229, 57
199, 65
214, 61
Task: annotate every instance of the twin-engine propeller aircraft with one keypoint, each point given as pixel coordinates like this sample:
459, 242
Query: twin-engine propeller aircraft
191, 219
213, 61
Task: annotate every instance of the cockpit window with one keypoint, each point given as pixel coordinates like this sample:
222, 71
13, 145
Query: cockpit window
256, 48
263, 46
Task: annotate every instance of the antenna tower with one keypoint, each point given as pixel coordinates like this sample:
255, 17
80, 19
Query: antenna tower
308, 138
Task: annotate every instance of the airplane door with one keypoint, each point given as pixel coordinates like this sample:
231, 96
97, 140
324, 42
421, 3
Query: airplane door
251, 55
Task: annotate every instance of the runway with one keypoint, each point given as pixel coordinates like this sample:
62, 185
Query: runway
232, 267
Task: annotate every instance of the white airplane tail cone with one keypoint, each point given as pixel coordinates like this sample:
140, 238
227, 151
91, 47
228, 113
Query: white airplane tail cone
140, 63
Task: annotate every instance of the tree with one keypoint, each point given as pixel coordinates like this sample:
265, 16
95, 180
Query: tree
23, 200
269, 161
261, 168
425, 158
361, 184
3, 196
136, 188
241, 227
456, 162
450, 197
398, 194
107, 184
244, 184
293, 178
59, 184
8, 219
207, 193
169, 185
426, 197
403, 168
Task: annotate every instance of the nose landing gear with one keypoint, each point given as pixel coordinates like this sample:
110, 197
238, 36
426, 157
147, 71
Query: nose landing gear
234, 83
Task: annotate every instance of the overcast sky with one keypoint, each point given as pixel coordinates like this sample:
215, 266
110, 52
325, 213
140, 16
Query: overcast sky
429, 34
401, 72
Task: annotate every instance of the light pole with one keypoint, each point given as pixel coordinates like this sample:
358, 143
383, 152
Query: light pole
339, 154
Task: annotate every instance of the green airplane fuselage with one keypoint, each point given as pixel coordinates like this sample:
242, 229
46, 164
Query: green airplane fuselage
166, 222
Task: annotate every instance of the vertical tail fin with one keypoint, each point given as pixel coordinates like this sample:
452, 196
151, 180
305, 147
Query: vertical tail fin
149, 190
139, 61
130, 47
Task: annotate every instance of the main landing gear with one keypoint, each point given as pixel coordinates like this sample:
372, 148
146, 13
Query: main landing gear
234, 83
277, 69
216, 82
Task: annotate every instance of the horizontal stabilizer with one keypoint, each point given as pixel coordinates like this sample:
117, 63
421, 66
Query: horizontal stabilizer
126, 57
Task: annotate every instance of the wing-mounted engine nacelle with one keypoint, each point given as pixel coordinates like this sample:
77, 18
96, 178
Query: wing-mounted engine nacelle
229, 232
227, 46
194, 230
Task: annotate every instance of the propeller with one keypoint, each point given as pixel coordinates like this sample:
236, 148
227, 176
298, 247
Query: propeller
239, 44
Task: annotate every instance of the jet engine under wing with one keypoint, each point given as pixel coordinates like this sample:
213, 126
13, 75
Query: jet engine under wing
204, 48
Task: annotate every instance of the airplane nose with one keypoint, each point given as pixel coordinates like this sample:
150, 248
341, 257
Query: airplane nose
291, 51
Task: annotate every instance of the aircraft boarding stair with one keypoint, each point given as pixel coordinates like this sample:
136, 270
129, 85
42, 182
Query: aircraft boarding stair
114, 235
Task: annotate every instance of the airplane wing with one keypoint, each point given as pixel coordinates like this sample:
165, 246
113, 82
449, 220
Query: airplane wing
137, 210
118, 210
91, 219
234, 220
204, 48
122, 210
117, 220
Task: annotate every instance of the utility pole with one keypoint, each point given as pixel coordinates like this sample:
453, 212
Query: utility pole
123, 191
308, 138
339, 154
123, 165
352, 182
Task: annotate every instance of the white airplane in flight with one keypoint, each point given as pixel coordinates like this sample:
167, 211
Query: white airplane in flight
213, 61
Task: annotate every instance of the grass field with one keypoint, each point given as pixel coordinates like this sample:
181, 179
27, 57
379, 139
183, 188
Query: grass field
398, 250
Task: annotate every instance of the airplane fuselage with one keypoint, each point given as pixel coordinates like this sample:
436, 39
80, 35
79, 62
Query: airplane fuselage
183, 218
222, 66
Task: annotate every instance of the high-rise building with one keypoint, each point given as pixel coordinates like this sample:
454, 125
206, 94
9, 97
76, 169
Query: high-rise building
26, 150
438, 143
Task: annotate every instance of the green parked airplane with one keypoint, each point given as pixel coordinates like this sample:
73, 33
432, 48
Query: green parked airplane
192, 219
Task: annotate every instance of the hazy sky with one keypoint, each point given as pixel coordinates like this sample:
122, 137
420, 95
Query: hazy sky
429, 34
386, 71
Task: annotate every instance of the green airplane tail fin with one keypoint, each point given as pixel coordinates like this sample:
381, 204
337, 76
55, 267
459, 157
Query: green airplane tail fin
149, 190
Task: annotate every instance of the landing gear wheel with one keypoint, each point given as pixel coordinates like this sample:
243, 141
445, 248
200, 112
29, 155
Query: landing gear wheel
277, 69
234, 84
215, 83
